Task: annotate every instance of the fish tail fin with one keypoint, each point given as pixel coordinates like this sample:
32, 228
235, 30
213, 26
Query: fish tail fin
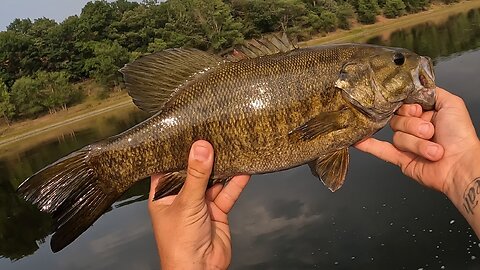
69, 190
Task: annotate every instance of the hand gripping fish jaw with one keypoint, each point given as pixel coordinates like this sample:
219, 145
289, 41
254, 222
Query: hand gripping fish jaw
424, 81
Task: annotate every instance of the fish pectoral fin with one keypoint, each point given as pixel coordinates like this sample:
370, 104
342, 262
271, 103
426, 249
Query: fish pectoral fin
331, 168
269, 45
322, 124
153, 79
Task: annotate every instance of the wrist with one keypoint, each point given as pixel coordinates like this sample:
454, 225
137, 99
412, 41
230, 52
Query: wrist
464, 183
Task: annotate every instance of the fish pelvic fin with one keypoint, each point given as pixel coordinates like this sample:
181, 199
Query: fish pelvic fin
69, 190
153, 79
331, 168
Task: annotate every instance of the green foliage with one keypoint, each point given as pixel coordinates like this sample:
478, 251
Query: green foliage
26, 97
416, 5
40, 59
7, 110
394, 8
367, 11
56, 92
345, 13
107, 59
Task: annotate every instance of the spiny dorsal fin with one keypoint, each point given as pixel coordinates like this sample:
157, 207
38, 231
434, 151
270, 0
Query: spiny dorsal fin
331, 168
268, 45
153, 79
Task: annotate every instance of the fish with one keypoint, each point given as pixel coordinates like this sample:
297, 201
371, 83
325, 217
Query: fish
267, 106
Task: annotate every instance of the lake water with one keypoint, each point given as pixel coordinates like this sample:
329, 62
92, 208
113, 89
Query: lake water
288, 220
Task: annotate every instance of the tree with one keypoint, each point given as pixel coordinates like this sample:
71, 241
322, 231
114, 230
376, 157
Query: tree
20, 26
7, 110
416, 5
367, 11
26, 97
95, 20
55, 90
344, 13
18, 56
394, 8
108, 58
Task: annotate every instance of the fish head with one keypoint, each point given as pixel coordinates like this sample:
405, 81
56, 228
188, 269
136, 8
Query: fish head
378, 80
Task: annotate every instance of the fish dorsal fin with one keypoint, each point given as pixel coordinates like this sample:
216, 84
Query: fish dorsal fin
151, 80
268, 45
331, 168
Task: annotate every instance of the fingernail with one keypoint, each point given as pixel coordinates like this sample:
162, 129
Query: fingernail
423, 129
413, 110
432, 150
200, 153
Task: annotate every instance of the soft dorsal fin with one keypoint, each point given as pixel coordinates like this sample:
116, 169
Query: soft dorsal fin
153, 79
268, 45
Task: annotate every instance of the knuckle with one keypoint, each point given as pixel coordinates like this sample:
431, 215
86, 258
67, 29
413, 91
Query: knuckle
397, 138
394, 122
197, 173
458, 100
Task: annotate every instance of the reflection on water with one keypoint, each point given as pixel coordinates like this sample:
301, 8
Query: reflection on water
18, 239
458, 34
378, 220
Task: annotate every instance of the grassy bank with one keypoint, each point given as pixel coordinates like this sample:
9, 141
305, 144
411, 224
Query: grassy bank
359, 33
57, 124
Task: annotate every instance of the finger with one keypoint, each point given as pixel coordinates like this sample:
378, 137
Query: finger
231, 192
200, 163
413, 125
384, 150
428, 116
424, 148
213, 192
414, 110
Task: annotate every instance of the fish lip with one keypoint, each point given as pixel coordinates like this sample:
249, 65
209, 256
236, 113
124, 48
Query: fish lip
424, 92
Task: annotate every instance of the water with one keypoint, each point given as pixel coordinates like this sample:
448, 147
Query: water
378, 220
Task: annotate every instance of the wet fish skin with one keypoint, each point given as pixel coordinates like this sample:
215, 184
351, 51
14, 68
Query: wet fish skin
261, 115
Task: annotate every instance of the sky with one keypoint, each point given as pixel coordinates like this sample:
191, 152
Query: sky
33, 9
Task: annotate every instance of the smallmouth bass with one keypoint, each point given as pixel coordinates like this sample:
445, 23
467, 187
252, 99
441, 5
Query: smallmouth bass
269, 107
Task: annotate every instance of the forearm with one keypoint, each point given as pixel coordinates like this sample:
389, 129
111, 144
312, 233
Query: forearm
464, 190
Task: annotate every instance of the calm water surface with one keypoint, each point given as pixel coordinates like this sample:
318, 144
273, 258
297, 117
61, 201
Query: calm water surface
288, 220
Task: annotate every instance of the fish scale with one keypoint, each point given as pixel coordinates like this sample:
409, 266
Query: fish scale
262, 113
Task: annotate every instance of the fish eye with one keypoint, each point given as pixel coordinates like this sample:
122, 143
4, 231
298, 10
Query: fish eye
399, 59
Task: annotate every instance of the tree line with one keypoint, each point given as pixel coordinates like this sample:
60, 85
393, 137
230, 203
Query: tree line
42, 61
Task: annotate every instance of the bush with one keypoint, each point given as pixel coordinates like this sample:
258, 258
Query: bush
394, 8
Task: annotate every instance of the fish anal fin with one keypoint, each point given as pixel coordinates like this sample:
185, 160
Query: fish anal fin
331, 168
152, 79
268, 45
171, 183
322, 124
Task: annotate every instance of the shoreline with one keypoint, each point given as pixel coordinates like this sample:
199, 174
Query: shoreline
49, 123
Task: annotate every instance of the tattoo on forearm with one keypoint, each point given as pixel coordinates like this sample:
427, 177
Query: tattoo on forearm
471, 196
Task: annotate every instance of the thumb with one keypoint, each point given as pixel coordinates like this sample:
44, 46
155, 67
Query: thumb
200, 163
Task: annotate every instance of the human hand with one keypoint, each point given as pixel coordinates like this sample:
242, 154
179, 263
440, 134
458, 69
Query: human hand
191, 228
436, 148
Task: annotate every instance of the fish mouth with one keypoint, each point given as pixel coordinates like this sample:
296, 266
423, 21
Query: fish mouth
424, 81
